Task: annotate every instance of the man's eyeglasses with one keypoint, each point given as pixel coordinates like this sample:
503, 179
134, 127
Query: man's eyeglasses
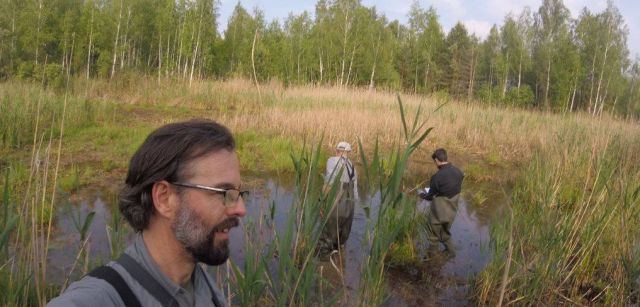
231, 196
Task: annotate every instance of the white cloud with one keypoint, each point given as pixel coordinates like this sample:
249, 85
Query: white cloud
576, 6
455, 7
398, 9
498, 9
478, 27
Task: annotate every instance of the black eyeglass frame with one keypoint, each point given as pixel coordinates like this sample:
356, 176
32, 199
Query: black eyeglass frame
228, 202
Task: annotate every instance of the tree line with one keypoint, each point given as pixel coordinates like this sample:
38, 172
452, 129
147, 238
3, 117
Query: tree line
536, 59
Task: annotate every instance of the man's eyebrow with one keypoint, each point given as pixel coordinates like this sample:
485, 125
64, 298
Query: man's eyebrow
226, 185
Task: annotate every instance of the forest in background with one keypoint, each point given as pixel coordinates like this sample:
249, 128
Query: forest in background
541, 59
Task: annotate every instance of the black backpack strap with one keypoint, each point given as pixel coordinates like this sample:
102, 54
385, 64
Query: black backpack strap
112, 276
147, 281
214, 297
350, 170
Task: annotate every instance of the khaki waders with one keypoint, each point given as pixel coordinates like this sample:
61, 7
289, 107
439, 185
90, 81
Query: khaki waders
336, 231
442, 213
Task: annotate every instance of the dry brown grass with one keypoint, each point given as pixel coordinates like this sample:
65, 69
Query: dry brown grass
494, 133
306, 112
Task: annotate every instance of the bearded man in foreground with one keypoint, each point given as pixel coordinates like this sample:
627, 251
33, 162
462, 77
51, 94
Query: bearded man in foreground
182, 195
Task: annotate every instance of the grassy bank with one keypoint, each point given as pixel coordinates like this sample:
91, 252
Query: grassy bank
573, 179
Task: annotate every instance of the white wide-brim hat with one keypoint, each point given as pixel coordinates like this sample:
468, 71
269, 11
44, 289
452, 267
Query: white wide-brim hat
343, 146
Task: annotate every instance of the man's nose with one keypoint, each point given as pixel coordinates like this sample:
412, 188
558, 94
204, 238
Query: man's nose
239, 209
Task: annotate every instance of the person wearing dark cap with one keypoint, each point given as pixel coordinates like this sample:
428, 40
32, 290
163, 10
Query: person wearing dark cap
182, 195
339, 167
444, 192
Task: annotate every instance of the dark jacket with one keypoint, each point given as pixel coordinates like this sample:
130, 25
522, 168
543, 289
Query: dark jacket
446, 182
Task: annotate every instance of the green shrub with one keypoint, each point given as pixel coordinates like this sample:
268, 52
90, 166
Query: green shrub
26, 70
522, 97
54, 75
104, 64
442, 96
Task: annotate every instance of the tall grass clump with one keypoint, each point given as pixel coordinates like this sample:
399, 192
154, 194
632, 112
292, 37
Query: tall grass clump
281, 266
573, 235
396, 208
9, 222
23, 269
31, 116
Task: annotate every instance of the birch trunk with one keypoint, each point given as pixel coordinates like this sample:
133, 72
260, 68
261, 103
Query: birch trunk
253, 63
185, 68
64, 54
167, 56
115, 45
186, 60
519, 71
604, 61
344, 46
159, 57
546, 89
13, 37
124, 41
353, 53
472, 74
593, 72
298, 72
180, 39
195, 51
606, 92
131, 53
632, 94
427, 72
70, 61
173, 55
375, 58
321, 66
90, 42
506, 78
573, 96
415, 78
38, 30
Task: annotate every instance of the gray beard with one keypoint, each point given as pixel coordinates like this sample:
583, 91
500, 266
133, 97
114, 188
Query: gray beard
192, 232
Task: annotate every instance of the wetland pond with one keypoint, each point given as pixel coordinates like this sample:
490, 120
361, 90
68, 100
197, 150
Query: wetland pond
431, 283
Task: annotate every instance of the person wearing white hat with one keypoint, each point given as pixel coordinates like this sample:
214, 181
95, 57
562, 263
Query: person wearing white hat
338, 227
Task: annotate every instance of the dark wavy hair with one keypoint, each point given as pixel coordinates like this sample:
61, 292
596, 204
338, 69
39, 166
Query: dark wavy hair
163, 156
441, 154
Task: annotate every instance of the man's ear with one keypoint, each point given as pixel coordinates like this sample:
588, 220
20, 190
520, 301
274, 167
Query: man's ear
164, 198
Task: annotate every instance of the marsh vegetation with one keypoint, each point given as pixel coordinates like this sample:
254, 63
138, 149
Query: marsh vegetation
568, 233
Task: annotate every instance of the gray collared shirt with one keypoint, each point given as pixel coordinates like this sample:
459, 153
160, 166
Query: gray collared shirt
340, 163
92, 292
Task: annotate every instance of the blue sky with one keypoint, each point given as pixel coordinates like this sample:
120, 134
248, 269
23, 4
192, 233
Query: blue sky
477, 15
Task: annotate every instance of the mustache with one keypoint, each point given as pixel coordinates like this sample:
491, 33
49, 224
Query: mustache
227, 224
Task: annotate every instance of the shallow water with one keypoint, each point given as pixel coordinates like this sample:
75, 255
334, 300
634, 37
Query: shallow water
432, 283
445, 282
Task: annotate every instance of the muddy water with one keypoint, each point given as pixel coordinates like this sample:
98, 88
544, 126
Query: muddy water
436, 282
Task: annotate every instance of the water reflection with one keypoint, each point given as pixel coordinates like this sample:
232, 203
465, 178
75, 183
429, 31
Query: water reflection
445, 282
66, 242
470, 233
